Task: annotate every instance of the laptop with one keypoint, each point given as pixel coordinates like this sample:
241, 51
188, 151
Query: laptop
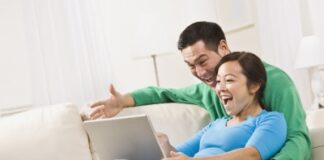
124, 138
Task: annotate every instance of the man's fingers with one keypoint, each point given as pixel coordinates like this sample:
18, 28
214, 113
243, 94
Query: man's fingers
112, 90
95, 116
96, 111
96, 104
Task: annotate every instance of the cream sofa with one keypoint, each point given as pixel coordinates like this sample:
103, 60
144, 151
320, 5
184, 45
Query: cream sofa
56, 132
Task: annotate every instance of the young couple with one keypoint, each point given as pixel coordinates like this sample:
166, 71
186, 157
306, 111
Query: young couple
242, 129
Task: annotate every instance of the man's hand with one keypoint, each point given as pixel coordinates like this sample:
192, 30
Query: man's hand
111, 106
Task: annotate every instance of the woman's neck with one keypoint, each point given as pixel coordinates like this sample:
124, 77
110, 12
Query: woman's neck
252, 109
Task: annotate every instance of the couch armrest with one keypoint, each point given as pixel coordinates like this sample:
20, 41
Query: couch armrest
317, 137
315, 124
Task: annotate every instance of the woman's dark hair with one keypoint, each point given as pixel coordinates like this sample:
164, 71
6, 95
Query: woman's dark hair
252, 68
210, 33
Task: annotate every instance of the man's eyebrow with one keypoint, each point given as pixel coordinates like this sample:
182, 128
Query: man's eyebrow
196, 60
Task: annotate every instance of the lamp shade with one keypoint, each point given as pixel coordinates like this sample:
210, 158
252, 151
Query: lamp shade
310, 52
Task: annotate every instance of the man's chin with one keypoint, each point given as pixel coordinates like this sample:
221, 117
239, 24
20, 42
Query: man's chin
210, 84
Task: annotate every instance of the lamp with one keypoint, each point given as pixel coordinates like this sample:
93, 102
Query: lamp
311, 56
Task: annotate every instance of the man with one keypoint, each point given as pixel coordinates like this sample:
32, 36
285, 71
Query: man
202, 45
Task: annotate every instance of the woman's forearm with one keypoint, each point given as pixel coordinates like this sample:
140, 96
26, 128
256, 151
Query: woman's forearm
248, 153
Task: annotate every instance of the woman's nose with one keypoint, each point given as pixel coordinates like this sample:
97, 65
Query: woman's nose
221, 86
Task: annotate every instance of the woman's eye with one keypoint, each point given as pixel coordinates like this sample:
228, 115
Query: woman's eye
229, 80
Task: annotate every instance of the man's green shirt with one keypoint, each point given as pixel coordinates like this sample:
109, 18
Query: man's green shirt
280, 95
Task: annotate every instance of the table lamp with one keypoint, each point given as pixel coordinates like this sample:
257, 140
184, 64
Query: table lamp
311, 56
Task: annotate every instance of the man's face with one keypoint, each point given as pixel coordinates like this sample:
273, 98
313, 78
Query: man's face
202, 61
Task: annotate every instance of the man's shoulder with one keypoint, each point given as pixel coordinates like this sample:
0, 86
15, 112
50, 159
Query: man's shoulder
276, 74
273, 69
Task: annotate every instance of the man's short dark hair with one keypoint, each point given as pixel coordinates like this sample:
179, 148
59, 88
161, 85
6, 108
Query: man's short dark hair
210, 33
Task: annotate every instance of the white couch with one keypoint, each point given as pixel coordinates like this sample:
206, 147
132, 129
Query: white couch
56, 132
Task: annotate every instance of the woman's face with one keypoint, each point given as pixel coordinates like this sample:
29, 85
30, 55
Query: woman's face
231, 87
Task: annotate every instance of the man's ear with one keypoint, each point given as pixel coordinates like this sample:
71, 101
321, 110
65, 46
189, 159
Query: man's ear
223, 48
254, 87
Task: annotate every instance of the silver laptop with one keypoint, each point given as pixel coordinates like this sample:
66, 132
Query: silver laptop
124, 138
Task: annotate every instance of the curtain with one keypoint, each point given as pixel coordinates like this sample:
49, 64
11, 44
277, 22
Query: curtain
68, 52
280, 27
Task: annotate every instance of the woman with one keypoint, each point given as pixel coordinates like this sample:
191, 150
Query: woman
249, 131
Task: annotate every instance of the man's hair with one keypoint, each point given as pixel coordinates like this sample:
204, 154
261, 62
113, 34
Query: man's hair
252, 68
210, 33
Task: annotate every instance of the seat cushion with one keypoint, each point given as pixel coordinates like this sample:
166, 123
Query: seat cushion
50, 132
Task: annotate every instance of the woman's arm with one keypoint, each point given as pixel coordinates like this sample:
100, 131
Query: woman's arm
247, 153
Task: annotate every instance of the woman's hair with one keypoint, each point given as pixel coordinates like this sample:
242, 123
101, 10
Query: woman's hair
252, 68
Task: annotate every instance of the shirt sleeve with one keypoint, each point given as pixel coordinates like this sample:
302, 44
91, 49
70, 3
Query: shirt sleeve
269, 135
153, 95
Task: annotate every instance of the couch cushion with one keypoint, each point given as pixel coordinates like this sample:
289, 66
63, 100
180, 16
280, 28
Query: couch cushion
178, 121
315, 118
315, 124
317, 137
50, 132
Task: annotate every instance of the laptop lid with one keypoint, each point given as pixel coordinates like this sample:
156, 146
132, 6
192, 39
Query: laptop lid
124, 138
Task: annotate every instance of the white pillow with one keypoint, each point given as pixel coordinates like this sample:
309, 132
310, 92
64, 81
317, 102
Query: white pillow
51, 133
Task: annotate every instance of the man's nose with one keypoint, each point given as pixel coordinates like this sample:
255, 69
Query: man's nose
200, 71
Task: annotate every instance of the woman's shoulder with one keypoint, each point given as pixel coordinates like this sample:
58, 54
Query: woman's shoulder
270, 116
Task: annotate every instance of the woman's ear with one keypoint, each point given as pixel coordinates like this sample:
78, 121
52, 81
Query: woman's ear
254, 87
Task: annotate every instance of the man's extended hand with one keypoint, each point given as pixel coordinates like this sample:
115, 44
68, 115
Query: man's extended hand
111, 106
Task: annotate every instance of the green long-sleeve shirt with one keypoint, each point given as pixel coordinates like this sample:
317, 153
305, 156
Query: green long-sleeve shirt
280, 95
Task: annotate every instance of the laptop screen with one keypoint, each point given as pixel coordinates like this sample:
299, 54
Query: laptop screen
121, 138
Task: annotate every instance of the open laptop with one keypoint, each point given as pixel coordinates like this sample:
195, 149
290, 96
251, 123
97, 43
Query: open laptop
124, 138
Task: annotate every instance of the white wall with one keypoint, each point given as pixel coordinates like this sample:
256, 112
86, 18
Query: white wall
146, 27
245, 38
15, 84
134, 29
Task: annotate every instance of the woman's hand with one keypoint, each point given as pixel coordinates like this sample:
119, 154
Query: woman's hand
177, 156
165, 143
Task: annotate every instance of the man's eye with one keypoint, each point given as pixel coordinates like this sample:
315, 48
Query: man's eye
191, 66
202, 63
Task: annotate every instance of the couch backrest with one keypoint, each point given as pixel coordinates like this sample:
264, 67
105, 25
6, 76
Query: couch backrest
178, 121
49, 132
